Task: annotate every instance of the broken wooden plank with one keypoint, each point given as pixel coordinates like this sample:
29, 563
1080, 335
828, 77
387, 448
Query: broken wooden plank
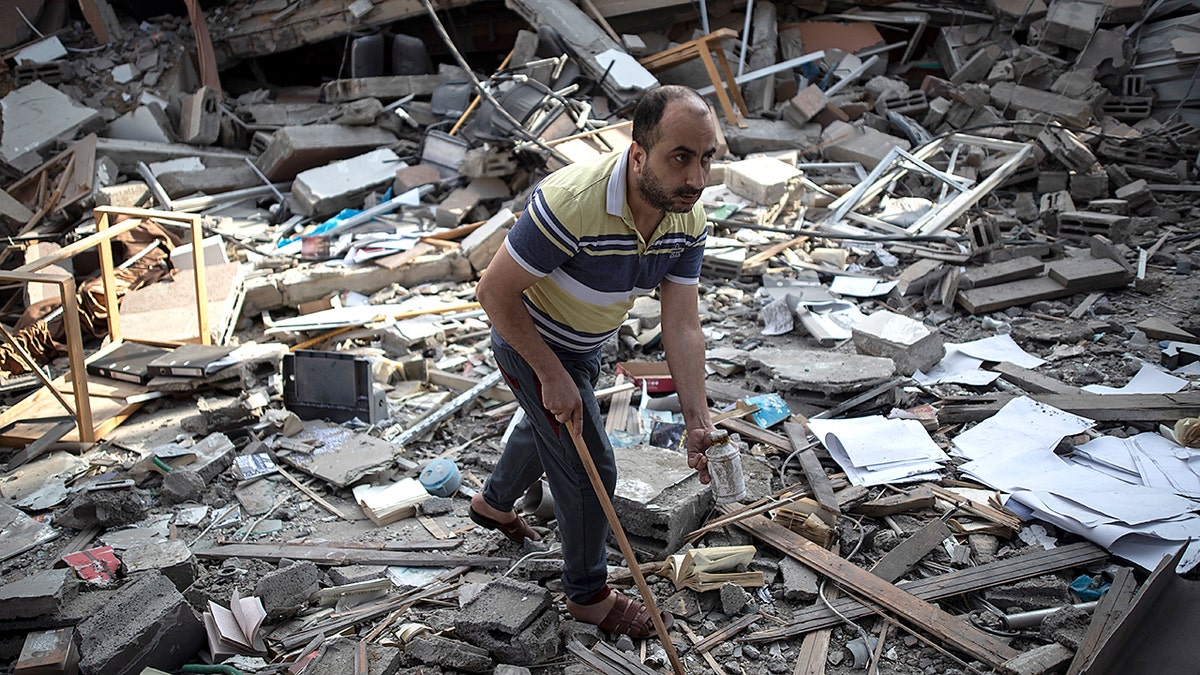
943, 586
751, 431
920, 497
817, 479
1101, 408
461, 383
896, 562
1106, 617
327, 555
1030, 380
1039, 660
956, 633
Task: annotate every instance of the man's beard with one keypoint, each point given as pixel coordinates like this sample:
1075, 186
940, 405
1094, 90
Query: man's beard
651, 188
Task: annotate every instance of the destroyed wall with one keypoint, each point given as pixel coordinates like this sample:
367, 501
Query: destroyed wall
949, 302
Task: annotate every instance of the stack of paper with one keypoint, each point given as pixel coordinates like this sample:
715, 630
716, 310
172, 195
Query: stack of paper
385, 504
876, 450
1136, 497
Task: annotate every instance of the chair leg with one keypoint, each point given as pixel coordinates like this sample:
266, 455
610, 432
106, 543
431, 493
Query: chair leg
735, 90
726, 106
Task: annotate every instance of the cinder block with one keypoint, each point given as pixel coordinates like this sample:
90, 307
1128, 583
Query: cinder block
295, 149
409, 177
451, 212
148, 623
910, 344
325, 190
437, 650
866, 146
1070, 24
805, 105
764, 180
482, 244
200, 118
39, 594
1006, 95
512, 619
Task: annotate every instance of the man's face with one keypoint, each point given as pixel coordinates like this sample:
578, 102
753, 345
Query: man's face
671, 175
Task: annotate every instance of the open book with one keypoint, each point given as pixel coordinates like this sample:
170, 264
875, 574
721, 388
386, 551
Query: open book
234, 631
707, 569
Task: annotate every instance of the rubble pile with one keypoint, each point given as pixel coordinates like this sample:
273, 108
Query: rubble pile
948, 297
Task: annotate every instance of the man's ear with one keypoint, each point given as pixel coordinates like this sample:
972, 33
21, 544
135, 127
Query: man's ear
637, 157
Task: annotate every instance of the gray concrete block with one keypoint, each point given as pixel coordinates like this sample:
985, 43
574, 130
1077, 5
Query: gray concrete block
513, 620
452, 210
287, 590
811, 370
910, 344
296, 149
764, 180
769, 135
105, 508
147, 623
1071, 24
865, 146
479, 246
799, 582
339, 655
214, 454
409, 177
1006, 95
39, 594
200, 118
349, 574
445, 652
805, 105
172, 558
35, 116
182, 485
325, 190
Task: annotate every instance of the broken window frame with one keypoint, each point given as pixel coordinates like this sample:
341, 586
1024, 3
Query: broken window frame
944, 212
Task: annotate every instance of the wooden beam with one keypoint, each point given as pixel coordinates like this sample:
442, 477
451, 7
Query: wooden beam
1112, 606
1031, 380
944, 586
817, 479
329, 555
1099, 407
896, 562
943, 626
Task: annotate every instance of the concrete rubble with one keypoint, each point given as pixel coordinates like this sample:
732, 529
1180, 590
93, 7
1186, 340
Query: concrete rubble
949, 300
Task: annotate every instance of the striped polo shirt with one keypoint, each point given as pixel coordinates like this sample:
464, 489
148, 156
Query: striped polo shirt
577, 235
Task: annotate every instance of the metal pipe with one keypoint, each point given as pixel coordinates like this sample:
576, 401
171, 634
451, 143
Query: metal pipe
745, 36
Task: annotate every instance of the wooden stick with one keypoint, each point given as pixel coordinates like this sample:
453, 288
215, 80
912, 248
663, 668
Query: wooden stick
475, 102
313, 495
626, 550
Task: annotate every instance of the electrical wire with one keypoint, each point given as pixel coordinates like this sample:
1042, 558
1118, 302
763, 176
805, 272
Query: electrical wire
821, 594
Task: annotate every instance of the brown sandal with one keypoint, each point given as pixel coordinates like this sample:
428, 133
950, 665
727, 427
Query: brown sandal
516, 530
627, 616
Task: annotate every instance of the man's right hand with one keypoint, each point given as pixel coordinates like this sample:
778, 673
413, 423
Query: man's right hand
560, 397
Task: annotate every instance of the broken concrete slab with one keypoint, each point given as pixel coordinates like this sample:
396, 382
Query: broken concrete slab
172, 558
847, 143
513, 620
288, 589
658, 498
296, 149
35, 116
126, 154
481, 245
1009, 96
39, 594
146, 123
338, 656
785, 370
805, 105
990, 274
910, 344
147, 622
764, 180
761, 135
326, 190
437, 650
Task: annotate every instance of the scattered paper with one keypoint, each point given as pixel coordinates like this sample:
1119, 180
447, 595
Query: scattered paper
1000, 348
1022, 425
875, 450
1149, 380
861, 287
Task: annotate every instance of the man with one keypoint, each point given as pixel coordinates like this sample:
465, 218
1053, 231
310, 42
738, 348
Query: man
592, 236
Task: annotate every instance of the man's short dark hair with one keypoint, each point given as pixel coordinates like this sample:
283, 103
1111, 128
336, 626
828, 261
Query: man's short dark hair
649, 112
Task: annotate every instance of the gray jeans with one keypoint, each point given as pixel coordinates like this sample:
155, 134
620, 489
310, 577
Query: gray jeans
540, 444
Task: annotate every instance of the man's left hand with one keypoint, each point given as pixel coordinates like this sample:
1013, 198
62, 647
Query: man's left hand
698, 440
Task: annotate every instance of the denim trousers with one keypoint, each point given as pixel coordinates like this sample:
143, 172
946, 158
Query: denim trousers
540, 444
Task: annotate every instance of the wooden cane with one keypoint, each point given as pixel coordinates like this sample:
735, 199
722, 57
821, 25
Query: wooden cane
626, 550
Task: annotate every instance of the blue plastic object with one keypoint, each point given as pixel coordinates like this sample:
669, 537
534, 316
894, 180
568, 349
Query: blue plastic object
1087, 588
441, 478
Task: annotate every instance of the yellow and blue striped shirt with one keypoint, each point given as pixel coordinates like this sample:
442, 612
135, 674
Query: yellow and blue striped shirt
577, 234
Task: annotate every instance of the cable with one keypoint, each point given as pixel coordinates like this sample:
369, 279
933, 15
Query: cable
866, 637
553, 550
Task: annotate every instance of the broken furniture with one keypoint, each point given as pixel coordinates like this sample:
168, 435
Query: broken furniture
97, 410
718, 69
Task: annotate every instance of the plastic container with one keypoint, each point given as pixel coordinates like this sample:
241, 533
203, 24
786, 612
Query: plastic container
441, 478
725, 468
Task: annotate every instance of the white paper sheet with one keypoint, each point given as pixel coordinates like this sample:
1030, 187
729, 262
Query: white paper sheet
958, 368
1023, 424
1149, 380
1000, 348
875, 450
860, 287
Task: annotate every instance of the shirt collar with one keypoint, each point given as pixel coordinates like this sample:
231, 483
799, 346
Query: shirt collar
614, 202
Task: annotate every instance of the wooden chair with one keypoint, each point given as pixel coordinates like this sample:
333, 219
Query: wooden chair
704, 48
